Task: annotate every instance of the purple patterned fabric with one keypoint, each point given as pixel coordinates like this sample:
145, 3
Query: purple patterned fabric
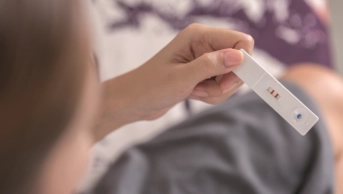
300, 37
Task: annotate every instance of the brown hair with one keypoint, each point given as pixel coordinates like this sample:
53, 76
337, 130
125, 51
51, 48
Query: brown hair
41, 76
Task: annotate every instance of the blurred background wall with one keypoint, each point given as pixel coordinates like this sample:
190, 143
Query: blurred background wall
335, 7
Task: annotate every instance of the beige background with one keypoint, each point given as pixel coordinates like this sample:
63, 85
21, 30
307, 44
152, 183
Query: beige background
336, 8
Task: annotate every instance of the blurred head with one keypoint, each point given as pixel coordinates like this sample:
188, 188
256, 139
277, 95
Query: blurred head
48, 95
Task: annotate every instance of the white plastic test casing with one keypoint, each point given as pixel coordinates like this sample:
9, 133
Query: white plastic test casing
276, 95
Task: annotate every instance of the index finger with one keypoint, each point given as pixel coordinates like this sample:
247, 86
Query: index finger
219, 38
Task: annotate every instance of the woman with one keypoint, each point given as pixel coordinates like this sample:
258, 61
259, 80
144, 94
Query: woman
50, 95
53, 108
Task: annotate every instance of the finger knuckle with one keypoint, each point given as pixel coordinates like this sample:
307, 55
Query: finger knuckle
209, 61
194, 27
249, 39
206, 57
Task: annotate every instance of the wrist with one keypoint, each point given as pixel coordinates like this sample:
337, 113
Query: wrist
116, 107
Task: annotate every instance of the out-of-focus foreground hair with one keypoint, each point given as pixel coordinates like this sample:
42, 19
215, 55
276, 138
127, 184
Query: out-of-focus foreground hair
42, 72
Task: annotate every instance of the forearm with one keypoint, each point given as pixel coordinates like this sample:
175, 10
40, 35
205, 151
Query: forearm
115, 107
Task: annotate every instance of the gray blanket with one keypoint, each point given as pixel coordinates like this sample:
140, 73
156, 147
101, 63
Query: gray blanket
241, 146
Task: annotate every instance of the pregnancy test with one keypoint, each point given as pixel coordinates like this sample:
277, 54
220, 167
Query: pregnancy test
276, 95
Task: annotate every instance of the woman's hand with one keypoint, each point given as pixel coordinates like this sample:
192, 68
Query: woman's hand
197, 64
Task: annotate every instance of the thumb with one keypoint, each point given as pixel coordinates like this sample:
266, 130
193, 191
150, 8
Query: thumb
213, 64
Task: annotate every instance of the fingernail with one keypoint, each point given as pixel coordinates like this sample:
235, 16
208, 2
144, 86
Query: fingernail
200, 94
233, 87
232, 57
